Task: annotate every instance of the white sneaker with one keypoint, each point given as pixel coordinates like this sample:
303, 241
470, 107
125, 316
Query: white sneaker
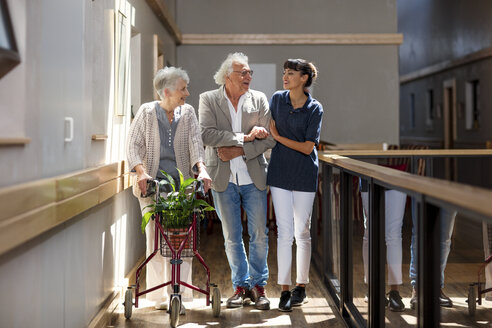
160, 305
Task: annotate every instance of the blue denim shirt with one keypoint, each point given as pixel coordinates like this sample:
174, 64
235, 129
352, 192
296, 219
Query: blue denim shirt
288, 168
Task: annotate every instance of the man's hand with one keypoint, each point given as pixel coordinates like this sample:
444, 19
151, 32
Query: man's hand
228, 153
257, 132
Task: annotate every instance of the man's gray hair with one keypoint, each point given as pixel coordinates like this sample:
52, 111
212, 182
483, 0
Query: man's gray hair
226, 67
168, 77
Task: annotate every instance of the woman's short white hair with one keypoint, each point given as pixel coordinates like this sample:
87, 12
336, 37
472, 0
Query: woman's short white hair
168, 77
226, 66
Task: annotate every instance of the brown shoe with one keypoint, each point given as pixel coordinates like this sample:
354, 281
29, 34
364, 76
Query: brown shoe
258, 296
240, 297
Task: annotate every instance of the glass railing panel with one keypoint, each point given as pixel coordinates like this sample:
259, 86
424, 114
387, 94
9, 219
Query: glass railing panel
359, 219
334, 232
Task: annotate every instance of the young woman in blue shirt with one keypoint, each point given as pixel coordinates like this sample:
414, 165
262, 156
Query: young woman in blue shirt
293, 174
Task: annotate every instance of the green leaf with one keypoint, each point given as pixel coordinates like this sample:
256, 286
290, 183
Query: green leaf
187, 182
170, 179
145, 220
181, 178
178, 205
201, 202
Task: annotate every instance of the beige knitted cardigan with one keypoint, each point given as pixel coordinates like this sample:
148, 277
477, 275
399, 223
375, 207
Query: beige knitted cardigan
143, 142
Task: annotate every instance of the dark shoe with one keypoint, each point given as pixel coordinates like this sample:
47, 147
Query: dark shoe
285, 305
413, 300
444, 300
238, 299
298, 296
258, 296
395, 302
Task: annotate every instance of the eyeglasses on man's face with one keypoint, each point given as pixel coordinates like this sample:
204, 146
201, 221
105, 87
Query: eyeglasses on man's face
245, 72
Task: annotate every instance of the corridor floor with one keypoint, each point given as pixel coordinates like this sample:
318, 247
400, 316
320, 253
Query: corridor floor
318, 312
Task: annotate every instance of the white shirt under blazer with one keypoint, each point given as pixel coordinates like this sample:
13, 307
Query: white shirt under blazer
217, 131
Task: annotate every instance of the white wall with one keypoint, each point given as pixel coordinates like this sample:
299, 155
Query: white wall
61, 278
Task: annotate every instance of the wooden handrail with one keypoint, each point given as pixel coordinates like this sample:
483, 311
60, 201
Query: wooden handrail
316, 39
30, 209
412, 152
20, 141
474, 199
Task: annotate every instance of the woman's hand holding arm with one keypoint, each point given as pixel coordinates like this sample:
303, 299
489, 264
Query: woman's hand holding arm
142, 178
305, 147
257, 132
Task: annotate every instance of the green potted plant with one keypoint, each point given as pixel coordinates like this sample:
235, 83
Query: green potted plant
179, 204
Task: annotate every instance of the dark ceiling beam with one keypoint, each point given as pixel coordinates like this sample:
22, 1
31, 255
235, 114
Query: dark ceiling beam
162, 12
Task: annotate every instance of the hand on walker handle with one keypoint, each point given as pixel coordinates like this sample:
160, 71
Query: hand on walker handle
207, 182
142, 182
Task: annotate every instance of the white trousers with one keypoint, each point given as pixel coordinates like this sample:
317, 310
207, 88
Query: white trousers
293, 212
487, 249
394, 211
159, 268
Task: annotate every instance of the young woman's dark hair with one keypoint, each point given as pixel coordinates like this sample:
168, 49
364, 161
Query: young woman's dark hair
303, 66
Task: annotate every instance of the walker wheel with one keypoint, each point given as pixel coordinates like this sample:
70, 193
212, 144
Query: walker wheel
128, 303
472, 299
216, 302
174, 311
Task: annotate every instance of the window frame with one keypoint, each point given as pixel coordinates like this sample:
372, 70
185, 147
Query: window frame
9, 55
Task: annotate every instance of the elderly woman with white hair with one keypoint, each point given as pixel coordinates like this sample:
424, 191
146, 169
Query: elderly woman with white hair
165, 135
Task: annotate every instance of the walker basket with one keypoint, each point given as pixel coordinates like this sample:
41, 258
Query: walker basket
175, 237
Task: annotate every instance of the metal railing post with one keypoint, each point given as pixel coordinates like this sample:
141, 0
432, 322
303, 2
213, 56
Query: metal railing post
428, 265
345, 247
376, 255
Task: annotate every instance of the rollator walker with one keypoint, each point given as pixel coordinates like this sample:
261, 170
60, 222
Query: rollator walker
175, 245
480, 284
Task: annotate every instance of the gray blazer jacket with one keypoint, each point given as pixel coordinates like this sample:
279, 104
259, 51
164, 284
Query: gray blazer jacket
216, 129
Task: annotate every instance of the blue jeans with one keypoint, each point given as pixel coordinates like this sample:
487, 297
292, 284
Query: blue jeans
447, 224
228, 203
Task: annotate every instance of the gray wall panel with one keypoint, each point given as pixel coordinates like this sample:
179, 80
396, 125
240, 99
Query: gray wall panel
357, 85
435, 31
286, 16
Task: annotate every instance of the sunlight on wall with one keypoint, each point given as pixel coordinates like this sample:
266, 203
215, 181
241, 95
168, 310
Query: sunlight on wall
110, 110
103, 236
118, 234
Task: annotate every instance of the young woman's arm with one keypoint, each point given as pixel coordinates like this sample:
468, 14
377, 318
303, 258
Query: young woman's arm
305, 147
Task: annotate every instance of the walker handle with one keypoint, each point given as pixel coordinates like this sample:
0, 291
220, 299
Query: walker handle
199, 187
